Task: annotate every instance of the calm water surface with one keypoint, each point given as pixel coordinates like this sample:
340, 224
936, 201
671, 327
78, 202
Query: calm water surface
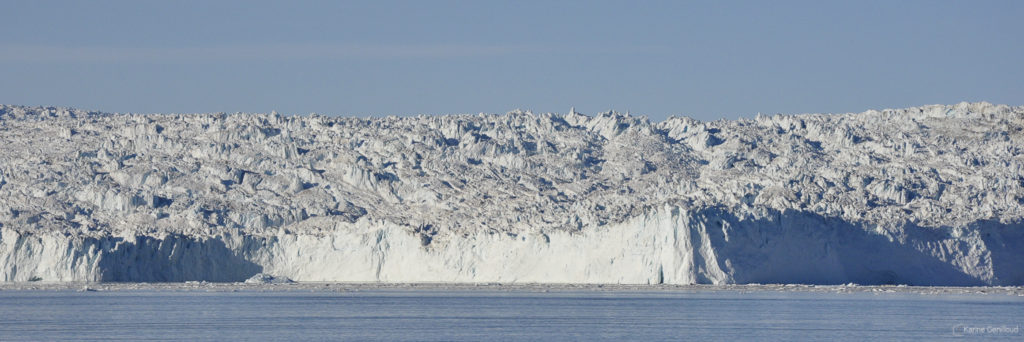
496, 315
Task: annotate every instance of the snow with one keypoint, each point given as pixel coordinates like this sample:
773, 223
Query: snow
931, 195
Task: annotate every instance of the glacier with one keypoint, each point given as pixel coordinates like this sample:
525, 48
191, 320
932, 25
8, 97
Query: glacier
930, 195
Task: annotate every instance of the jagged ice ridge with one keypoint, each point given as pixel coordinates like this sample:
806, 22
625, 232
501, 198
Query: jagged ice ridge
931, 195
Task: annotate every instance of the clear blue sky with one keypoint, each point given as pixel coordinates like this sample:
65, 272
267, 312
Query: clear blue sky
706, 60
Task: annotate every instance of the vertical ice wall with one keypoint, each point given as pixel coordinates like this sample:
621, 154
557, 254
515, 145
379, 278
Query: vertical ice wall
668, 245
925, 195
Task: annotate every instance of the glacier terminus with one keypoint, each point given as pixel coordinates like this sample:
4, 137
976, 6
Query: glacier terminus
931, 195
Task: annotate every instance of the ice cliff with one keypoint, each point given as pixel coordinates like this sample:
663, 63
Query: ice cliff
924, 196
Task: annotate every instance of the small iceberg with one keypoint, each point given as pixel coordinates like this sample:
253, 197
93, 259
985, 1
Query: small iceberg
263, 278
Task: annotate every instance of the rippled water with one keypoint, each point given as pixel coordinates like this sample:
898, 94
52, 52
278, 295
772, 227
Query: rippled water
500, 315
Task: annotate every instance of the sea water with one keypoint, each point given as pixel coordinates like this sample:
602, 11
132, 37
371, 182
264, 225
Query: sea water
435, 315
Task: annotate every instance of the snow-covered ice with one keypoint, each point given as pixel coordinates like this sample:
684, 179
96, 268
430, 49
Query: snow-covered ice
931, 195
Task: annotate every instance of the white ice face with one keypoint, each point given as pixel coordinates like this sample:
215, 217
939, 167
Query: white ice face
570, 195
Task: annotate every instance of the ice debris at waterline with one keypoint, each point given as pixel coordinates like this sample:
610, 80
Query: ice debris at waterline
264, 278
922, 196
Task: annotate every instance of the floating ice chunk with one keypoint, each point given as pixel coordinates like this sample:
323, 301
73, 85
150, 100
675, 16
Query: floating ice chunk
263, 278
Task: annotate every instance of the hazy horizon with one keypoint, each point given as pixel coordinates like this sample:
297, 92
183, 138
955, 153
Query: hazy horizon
706, 60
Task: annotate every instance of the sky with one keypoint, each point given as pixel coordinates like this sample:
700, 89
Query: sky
706, 60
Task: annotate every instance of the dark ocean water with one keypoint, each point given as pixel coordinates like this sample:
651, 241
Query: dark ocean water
418, 315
